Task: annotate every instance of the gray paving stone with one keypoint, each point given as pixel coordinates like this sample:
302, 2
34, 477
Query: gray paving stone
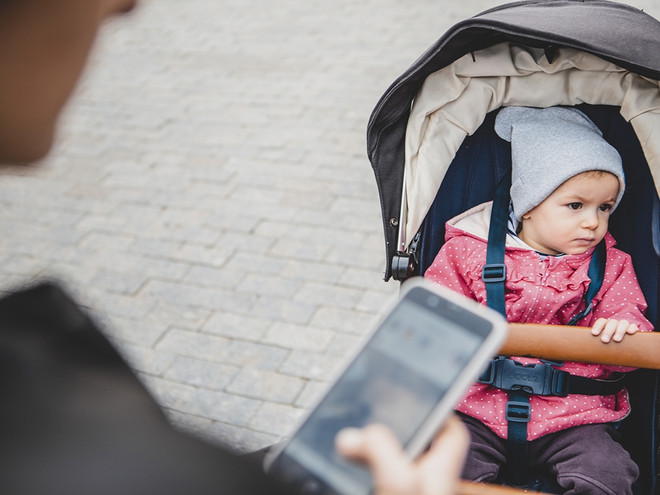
26, 247
16, 264
311, 394
246, 242
266, 385
372, 302
310, 271
310, 365
243, 440
160, 269
195, 425
211, 203
222, 350
129, 307
147, 361
196, 254
331, 295
344, 345
365, 223
222, 219
298, 337
278, 309
196, 296
97, 240
314, 196
343, 320
237, 326
170, 394
304, 250
277, 419
179, 316
101, 222
364, 279
188, 233
133, 331
155, 248
257, 263
264, 285
200, 373
13, 282
228, 408
313, 234
360, 258
116, 282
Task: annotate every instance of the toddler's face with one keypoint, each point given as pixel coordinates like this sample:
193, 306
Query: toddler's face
574, 217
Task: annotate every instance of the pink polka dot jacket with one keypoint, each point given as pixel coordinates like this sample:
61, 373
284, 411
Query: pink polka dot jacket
545, 290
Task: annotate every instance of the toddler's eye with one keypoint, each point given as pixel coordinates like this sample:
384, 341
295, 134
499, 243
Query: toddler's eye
575, 206
605, 207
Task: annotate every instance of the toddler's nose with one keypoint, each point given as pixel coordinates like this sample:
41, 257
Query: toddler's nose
590, 220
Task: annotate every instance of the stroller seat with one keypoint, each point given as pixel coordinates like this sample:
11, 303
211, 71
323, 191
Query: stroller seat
435, 154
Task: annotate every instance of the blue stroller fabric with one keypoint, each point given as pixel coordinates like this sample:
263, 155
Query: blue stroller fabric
484, 159
615, 32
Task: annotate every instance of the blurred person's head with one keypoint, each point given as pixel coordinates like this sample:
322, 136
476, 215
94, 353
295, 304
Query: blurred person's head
43, 48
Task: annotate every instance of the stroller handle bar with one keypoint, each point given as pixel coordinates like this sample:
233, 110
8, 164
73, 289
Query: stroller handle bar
470, 488
568, 343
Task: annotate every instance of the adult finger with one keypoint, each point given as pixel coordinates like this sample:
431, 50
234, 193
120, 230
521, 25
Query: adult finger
441, 466
377, 448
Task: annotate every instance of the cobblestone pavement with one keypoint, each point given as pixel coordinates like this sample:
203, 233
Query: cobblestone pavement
211, 201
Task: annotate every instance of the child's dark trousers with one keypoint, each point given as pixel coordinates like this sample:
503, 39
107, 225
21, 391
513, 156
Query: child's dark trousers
585, 459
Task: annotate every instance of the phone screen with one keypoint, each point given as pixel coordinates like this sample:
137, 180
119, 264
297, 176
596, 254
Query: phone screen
398, 379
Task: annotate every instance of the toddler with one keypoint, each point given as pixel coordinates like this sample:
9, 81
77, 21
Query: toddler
566, 182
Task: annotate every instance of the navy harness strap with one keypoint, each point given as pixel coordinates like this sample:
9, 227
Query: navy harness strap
518, 413
493, 272
544, 379
596, 274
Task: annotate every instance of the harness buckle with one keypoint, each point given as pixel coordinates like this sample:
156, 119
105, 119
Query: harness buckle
517, 411
493, 272
534, 379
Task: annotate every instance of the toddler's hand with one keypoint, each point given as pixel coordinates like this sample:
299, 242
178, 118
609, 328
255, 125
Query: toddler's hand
612, 329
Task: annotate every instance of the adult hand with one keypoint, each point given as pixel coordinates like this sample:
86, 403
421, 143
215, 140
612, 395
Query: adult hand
436, 472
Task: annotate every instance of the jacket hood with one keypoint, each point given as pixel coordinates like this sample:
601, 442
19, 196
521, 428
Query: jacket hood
475, 223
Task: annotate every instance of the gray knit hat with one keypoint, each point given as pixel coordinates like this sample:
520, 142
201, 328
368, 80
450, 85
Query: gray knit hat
548, 147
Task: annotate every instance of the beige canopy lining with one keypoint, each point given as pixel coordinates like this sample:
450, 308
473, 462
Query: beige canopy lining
454, 101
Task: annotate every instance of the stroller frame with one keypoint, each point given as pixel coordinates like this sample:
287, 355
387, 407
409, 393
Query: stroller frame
546, 25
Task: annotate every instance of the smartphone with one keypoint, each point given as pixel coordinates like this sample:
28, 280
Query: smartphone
408, 374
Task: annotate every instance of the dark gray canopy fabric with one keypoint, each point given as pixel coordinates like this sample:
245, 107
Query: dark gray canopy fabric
618, 33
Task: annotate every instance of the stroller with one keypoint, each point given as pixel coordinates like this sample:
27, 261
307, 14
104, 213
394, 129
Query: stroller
432, 146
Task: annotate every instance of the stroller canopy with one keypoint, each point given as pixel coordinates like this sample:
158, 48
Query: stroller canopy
566, 43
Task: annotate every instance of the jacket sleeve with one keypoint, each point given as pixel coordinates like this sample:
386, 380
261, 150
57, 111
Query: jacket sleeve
450, 269
621, 297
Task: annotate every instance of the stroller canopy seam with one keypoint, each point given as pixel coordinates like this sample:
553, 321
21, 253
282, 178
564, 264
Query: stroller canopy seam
453, 102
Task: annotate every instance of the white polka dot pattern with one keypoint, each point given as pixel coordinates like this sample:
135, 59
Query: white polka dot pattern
545, 290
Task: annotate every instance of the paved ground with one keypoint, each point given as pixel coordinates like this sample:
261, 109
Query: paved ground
211, 201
